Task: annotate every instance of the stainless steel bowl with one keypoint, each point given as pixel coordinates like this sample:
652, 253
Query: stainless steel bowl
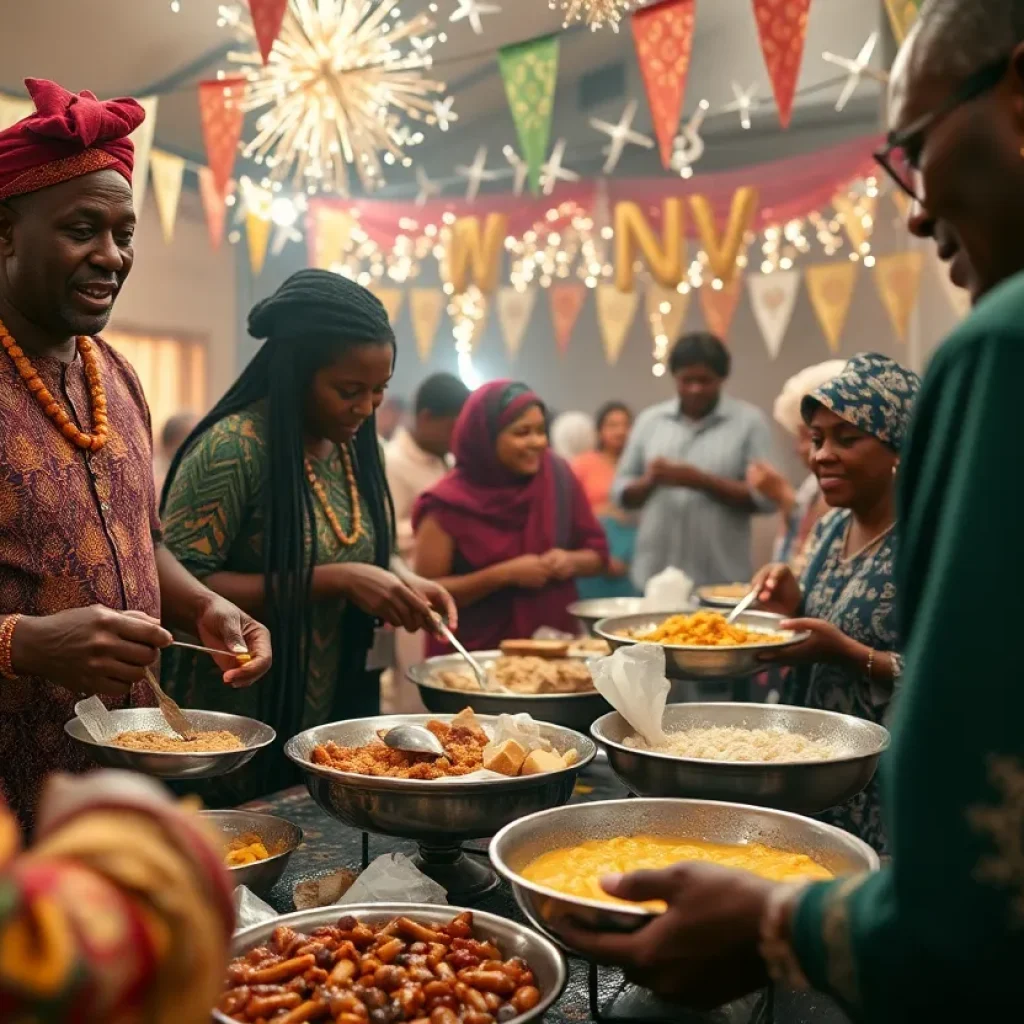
709, 597
276, 834
805, 787
591, 612
443, 811
572, 710
688, 662
513, 939
520, 843
254, 736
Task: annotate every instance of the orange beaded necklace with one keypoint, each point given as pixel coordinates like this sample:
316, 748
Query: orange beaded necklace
89, 442
346, 540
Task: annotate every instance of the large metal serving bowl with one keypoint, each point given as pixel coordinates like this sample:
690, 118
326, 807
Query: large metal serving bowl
572, 710
276, 833
443, 812
805, 787
520, 843
512, 938
591, 612
690, 662
254, 736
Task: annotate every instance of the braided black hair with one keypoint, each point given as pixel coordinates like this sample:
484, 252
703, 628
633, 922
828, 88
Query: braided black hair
313, 317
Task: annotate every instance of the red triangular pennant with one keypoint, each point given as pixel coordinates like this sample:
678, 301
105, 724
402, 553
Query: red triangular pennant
221, 111
782, 26
267, 18
566, 302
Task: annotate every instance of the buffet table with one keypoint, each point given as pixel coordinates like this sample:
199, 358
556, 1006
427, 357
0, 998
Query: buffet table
590, 995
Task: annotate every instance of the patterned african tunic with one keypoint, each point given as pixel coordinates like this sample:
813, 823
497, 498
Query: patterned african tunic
938, 933
856, 595
76, 529
214, 522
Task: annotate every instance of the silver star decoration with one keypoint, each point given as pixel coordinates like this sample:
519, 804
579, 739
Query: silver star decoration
620, 134
856, 69
477, 172
428, 189
444, 114
553, 172
470, 10
520, 170
422, 45
688, 147
743, 103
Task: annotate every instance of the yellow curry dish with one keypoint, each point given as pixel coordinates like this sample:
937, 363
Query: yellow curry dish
578, 870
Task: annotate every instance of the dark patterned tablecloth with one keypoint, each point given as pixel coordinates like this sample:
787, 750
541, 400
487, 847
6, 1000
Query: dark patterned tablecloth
330, 845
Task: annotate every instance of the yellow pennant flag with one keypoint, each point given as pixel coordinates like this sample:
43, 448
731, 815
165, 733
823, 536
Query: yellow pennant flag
830, 286
666, 310
901, 201
902, 14
257, 232
898, 278
514, 311
425, 307
168, 172
858, 217
391, 300
142, 137
616, 311
332, 232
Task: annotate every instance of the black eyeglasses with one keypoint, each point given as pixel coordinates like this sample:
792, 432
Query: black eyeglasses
902, 150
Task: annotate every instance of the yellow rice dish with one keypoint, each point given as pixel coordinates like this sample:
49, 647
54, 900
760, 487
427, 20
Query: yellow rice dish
578, 870
705, 629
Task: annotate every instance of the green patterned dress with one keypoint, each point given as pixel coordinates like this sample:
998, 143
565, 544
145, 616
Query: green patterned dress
213, 522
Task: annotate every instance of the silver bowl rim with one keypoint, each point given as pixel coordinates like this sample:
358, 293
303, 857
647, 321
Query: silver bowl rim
718, 601
580, 608
605, 629
640, 913
424, 667
297, 835
225, 716
296, 919
587, 751
597, 732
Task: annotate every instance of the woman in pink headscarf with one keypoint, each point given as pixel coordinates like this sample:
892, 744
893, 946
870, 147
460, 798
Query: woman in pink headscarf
509, 530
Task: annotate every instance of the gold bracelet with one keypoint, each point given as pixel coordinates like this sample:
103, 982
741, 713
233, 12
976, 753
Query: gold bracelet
6, 637
775, 948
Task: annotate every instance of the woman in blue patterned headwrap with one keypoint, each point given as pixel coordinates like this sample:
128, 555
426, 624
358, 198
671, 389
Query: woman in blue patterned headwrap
846, 595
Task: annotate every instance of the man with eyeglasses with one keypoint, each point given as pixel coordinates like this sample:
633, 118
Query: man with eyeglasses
938, 933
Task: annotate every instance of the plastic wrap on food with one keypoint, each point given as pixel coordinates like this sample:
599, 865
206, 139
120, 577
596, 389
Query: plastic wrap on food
632, 680
250, 909
393, 878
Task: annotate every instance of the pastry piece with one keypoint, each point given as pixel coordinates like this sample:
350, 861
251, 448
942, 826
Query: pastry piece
506, 757
542, 761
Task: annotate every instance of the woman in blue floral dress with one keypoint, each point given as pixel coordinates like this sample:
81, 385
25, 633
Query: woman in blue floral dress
845, 597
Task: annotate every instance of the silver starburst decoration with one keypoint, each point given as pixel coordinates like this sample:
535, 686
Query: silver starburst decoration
594, 14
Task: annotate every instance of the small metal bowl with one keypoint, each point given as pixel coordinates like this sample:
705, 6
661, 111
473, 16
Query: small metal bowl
572, 710
519, 844
712, 597
275, 833
692, 662
591, 612
804, 787
513, 939
254, 736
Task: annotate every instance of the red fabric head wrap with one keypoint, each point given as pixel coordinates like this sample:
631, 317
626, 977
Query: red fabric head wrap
69, 135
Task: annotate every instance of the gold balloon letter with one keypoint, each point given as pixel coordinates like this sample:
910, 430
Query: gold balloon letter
722, 253
483, 254
665, 258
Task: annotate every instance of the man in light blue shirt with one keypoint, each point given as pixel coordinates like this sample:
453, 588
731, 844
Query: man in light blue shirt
685, 468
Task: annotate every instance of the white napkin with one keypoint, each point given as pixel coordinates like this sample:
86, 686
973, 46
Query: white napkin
98, 721
669, 590
522, 728
632, 680
393, 878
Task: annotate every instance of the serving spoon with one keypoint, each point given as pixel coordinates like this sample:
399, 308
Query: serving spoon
475, 667
742, 605
413, 739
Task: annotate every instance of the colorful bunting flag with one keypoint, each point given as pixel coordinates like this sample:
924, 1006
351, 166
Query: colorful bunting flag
514, 311
425, 307
663, 36
168, 171
719, 305
257, 231
902, 15
782, 26
616, 311
530, 73
898, 278
566, 302
858, 218
142, 137
267, 18
214, 205
773, 299
830, 286
666, 310
222, 116
332, 233
390, 299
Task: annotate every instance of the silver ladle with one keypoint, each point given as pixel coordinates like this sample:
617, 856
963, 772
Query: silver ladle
413, 739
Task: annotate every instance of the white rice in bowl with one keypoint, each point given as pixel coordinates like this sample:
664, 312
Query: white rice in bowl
729, 743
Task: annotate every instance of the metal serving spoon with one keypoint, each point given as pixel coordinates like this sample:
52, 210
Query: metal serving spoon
413, 739
742, 605
474, 666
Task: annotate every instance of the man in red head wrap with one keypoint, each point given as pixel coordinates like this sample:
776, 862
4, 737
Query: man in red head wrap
85, 581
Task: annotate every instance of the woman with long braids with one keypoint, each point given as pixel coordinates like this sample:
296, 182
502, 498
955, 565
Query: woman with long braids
278, 498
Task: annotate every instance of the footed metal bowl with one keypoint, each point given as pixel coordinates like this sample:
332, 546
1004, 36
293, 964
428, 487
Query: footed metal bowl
519, 844
572, 710
275, 833
805, 787
691, 662
512, 938
254, 736
591, 612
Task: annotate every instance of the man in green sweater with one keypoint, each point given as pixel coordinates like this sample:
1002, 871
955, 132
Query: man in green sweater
937, 934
